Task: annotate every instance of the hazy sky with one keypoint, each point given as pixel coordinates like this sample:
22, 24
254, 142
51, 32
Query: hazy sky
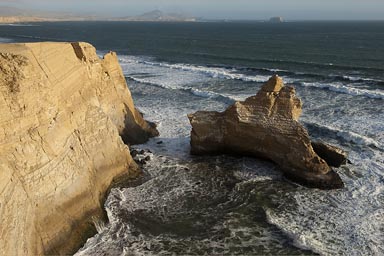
231, 9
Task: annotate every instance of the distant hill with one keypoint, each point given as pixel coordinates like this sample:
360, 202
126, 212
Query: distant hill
6, 11
15, 15
158, 15
11, 11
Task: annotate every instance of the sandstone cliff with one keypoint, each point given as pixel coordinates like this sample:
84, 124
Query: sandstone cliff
266, 126
62, 110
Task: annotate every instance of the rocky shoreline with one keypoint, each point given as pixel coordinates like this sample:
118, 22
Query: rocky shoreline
66, 122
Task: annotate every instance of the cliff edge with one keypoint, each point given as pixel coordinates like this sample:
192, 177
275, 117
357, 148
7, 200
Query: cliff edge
266, 125
64, 115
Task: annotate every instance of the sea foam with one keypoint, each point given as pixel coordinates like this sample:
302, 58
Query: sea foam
348, 136
215, 72
337, 87
194, 91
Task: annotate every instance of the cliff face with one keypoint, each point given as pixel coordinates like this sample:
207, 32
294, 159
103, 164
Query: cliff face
265, 125
62, 113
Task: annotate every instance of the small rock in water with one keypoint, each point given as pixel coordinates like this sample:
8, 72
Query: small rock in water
159, 142
141, 152
134, 153
147, 158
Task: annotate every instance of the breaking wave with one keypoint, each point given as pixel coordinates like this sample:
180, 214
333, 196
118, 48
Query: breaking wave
347, 136
194, 91
227, 73
373, 94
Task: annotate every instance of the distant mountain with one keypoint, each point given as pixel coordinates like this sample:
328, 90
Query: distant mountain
11, 11
153, 15
158, 15
6, 11
15, 15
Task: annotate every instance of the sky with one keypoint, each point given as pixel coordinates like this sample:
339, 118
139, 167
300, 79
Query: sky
218, 9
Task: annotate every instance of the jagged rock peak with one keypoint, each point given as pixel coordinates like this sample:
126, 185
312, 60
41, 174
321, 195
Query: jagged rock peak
275, 99
265, 125
274, 84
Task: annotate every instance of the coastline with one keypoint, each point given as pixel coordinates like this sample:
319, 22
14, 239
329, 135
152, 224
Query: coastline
85, 228
65, 113
188, 205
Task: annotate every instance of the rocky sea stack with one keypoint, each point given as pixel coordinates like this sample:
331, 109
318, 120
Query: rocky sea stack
266, 126
64, 115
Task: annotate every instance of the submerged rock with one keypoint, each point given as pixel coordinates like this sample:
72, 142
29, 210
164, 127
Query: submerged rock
63, 115
266, 126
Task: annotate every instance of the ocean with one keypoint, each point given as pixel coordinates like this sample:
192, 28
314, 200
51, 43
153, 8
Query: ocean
217, 205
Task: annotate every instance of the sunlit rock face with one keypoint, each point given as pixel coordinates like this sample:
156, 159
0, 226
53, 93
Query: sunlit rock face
64, 114
266, 126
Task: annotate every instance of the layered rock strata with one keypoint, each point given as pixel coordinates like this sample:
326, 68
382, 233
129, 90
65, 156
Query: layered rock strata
63, 114
266, 126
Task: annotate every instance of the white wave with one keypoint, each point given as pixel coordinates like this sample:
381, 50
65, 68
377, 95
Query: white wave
357, 138
276, 70
212, 95
194, 91
210, 71
340, 222
374, 94
356, 78
158, 83
134, 63
362, 79
350, 136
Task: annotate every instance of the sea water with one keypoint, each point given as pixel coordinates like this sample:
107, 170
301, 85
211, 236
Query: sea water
187, 205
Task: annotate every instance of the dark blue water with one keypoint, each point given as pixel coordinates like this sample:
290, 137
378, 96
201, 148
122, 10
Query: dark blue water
226, 205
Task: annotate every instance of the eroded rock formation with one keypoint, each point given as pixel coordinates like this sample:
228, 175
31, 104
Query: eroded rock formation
62, 113
265, 125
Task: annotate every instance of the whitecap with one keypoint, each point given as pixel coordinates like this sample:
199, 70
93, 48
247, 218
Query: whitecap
194, 91
348, 136
356, 78
215, 72
336, 87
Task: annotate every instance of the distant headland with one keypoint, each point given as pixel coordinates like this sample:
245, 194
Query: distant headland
276, 19
16, 15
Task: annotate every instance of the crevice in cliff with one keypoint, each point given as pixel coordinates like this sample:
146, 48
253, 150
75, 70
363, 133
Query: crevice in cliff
78, 51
